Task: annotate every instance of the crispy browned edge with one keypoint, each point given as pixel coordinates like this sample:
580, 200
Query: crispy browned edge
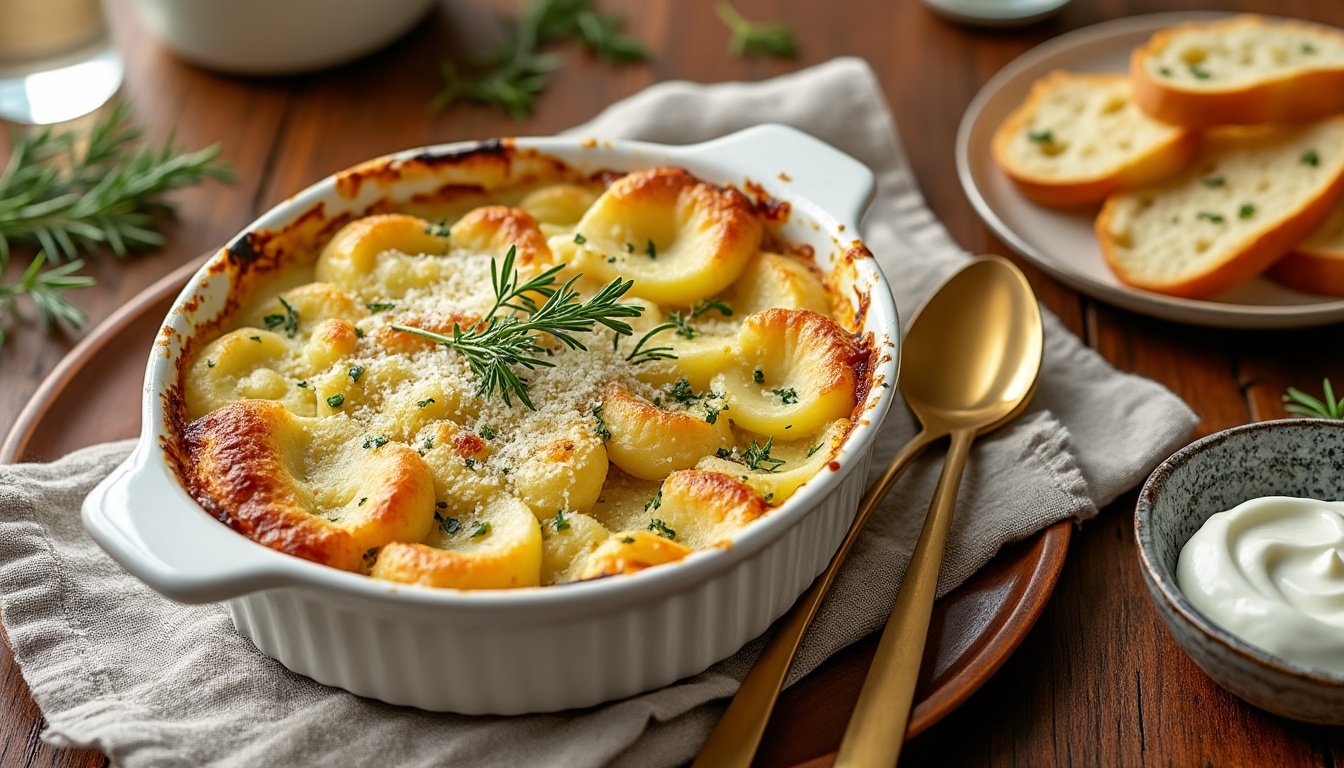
254, 255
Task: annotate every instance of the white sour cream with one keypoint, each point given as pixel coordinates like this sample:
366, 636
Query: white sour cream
1271, 571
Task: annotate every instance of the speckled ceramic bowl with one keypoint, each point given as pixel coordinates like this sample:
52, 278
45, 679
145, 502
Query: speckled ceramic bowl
1290, 457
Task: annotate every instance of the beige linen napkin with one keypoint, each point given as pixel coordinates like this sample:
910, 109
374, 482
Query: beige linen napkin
115, 666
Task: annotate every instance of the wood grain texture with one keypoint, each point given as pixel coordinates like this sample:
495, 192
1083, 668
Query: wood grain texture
1099, 681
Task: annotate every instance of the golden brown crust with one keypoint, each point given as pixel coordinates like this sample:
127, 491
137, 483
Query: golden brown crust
493, 228
242, 465
1309, 271
724, 209
1298, 96
411, 563
631, 552
730, 503
836, 354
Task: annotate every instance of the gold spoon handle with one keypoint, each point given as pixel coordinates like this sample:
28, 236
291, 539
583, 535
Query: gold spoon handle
876, 731
733, 742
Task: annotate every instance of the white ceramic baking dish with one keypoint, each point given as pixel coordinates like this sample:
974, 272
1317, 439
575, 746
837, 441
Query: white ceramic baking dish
524, 650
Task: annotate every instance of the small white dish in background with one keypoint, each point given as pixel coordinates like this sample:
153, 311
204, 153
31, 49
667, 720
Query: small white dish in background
1288, 457
1061, 241
277, 37
996, 13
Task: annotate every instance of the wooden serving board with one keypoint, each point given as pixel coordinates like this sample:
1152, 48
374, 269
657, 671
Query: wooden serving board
93, 396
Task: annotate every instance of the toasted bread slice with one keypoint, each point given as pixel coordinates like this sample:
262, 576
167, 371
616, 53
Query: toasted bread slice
1078, 138
1316, 265
1251, 195
1240, 71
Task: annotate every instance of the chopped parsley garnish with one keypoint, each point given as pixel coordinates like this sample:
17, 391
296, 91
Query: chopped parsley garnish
479, 530
1040, 137
600, 426
786, 396
651, 250
449, 525
611, 259
659, 527
470, 462
1308, 48
255, 338
425, 402
209, 363
1216, 218
655, 502
359, 333
355, 372
375, 441
681, 392
579, 239
438, 229
362, 499
486, 432
1164, 71
380, 306
429, 443
1199, 72
288, 322
1246, 211
629, 248
1213, 182
336, 400
756, 456
302, 385
767, 498
813, 450
627, 540
712, 413
758, 376
560, 523
1310, 158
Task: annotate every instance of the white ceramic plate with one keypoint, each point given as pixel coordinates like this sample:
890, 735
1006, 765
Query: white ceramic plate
1060, 241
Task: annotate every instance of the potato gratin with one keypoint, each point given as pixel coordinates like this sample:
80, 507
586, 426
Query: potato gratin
712, 385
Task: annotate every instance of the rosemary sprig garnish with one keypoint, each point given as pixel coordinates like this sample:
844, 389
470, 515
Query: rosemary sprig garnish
499, 343
1302, 404
46, 290
641, 354
64, 201
513, 75
751, 37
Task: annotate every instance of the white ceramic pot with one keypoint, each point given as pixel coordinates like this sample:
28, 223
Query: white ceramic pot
522, 650
277, 37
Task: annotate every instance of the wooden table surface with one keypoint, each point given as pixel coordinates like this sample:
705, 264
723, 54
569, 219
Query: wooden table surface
1098, 681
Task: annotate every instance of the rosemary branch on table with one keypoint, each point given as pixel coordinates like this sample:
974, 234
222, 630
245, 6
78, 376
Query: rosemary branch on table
64, 194
499, 343
750, 37
514, 74
1299, 402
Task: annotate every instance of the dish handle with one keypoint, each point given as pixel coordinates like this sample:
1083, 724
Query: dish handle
786, 159
144, 519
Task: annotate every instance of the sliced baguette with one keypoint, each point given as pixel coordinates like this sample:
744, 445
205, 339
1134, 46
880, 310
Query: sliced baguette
1251, 195
1078, 138
1316, 265
1242, 70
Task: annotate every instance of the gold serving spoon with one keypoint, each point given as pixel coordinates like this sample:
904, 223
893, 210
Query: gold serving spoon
969, 365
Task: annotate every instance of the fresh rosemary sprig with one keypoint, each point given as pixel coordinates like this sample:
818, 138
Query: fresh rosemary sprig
66, 201
751, 37
513, 75
641, 354
1302, 404
46, 289
494, 346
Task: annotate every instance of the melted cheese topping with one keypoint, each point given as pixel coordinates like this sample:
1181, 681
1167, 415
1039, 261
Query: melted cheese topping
618, 467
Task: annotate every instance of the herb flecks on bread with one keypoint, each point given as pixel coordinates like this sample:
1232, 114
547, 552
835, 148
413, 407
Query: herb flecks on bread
1251, 195
1080, 137
1240, 71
